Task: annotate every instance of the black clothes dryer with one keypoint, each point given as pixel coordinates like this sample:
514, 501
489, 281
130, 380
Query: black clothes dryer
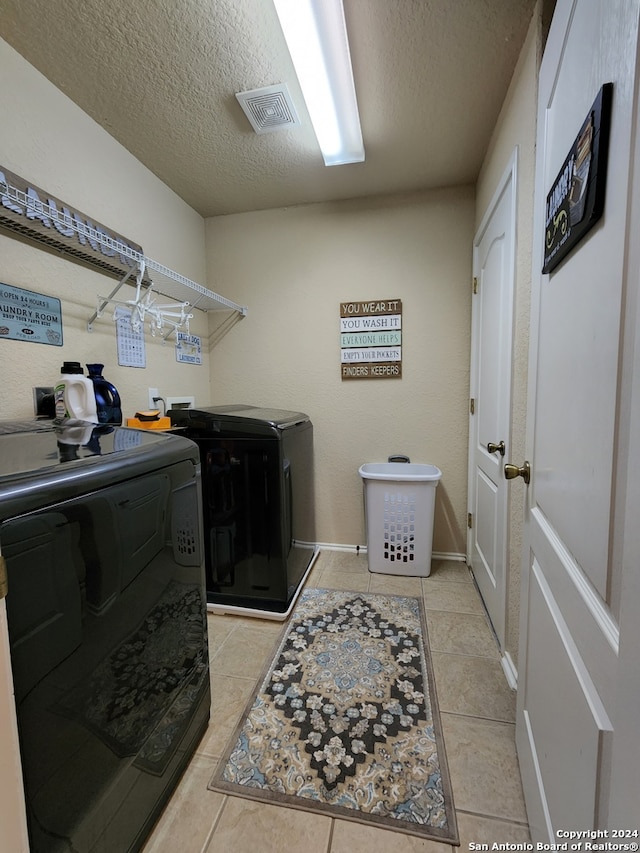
257, 495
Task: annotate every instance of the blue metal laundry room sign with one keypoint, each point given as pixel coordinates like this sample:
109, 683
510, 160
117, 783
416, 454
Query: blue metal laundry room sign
29, 316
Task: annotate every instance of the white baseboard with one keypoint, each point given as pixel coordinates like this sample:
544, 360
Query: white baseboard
510, 671
334, 546
454, 556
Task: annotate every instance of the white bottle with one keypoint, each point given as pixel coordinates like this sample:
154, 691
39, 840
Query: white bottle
74, 395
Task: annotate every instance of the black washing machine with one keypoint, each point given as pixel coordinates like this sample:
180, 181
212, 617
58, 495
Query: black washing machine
100, 529
258, 507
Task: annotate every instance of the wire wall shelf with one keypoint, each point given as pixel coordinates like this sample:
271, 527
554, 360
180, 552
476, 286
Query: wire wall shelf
146, 275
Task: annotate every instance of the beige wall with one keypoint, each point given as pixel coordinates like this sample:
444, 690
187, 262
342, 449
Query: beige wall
50, 142
293, 267
516, 128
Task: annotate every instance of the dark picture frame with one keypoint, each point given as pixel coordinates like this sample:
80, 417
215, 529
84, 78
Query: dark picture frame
575, 202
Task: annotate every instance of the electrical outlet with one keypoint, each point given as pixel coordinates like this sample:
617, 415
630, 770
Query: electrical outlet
180, 402
153, 392
43, 405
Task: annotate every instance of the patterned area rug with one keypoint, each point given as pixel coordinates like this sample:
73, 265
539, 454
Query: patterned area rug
345, 721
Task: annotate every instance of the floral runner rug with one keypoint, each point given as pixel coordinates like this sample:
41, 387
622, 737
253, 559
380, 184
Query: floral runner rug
345, 720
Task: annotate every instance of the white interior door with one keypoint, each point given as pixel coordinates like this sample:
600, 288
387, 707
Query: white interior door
491, 354
571, 581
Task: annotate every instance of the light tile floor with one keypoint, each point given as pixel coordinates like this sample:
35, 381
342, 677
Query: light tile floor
476, 705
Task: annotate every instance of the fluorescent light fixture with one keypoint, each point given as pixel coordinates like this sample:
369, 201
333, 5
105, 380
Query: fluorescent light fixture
316, 35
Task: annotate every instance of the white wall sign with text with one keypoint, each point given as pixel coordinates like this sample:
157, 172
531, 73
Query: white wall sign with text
188, 348
371, 339
29, 316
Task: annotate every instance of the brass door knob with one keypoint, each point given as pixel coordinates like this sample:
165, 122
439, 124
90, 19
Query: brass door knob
512, 471
496, 448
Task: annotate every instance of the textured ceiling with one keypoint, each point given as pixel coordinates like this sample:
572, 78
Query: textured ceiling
161, 76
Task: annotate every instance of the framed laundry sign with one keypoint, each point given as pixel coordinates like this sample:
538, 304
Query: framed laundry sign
371, 339
188, 348
575, 201
29, 316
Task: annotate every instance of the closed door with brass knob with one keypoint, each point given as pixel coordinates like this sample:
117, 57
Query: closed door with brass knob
513, 471
577, 714
490, 406
492, 447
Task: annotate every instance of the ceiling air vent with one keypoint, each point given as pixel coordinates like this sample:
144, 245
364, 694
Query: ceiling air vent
269, 108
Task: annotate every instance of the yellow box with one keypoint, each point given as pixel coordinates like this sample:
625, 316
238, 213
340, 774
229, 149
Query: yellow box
160, 423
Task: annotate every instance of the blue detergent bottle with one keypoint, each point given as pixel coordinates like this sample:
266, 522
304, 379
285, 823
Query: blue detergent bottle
108, 404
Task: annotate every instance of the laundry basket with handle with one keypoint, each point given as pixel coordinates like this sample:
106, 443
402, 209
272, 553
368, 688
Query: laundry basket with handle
399, 509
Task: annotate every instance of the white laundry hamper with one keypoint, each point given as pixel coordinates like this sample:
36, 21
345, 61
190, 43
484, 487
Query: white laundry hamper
399, 502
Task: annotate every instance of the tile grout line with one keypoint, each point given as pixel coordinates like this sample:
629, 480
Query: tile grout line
476, 717
214, 826
465, 655
331, 831
508, 820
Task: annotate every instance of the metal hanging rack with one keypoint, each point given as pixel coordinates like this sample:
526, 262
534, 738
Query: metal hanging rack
144, 306
165, 281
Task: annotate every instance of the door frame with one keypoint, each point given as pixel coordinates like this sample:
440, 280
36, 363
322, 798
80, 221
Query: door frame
12, 804
509, 178
625, 755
